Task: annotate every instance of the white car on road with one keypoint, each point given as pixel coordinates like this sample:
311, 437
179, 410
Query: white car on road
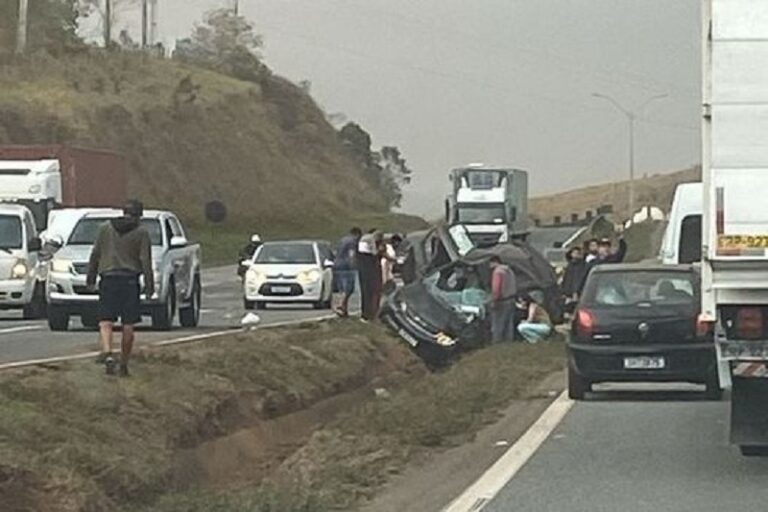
290, 272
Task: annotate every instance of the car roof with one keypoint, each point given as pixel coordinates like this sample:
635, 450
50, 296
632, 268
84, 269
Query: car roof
12, 209
642, 267
109, 213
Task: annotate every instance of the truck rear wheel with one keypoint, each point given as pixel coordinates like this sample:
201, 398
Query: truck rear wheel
162, 315
58, 320
36, 308
190, 315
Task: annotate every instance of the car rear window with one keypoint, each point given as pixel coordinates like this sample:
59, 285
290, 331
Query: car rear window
640, 287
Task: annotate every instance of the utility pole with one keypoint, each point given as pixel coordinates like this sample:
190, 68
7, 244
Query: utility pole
153, 22
631, 118
144, 23
21, 31
107, 23
237, 8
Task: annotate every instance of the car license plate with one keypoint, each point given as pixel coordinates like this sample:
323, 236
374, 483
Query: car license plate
408, 338
281, 289
644, 363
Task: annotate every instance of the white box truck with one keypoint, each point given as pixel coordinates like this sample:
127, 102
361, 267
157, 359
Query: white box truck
735, 220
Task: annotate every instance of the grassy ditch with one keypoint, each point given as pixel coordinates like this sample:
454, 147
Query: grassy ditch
72, 439
346, 462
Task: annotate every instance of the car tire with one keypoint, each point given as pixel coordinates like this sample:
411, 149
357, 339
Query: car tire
35, 310
162, 315
322, 303
753, 451
58, 320
578, 386
713, 391
190, 316
249, 305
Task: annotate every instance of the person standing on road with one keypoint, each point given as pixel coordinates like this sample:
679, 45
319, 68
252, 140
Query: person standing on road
345, 270
388, 262
574, 275
369, 269
605, 255
502, 307
122, 253
590, 250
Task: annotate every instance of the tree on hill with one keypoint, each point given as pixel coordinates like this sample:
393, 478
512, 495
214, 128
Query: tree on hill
52, 26
224, 42
386, 168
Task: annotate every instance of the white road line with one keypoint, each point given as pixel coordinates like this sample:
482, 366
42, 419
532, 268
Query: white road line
23, 328
173, 341
480, 494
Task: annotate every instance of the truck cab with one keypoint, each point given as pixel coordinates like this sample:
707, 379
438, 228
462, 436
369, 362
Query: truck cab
490, 202
35, 184
20, 284
176, 266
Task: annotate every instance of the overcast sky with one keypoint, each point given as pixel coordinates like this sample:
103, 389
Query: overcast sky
497, 81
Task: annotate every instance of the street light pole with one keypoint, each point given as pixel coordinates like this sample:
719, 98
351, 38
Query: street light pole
631, 118
21, 31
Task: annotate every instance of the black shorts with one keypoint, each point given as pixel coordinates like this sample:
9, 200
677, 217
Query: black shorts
120, 299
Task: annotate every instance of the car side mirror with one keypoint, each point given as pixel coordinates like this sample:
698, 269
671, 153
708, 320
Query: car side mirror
177, 242
35, 245
328, 263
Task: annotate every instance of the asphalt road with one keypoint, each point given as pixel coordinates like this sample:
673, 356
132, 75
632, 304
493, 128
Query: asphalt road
22, 340
639, 452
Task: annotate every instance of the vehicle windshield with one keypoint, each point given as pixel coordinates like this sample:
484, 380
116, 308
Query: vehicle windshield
460, 287
482, 214
10, 232
638, 287
287, 254
86, 230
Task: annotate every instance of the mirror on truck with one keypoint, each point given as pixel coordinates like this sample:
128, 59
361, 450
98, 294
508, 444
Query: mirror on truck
513, 214
177, 242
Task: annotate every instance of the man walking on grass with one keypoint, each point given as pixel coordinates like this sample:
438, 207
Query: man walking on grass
122, 253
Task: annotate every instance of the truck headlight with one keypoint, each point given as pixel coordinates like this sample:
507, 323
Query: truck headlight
63, 266
19, 270
309, 276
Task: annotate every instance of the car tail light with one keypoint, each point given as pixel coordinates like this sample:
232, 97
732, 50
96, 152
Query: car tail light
584, 322
749, 323
704, 328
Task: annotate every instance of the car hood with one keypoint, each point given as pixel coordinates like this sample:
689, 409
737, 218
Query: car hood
82, 253
281, 270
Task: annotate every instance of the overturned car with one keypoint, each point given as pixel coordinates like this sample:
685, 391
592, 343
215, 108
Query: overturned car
441, 309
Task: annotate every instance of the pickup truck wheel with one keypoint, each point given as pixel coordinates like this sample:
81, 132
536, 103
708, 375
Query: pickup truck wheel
57, 319
36, 308
578, 386
162, 316
190, 315
754, 451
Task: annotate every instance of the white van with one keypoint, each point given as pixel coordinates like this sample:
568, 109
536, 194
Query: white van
682, 239
20, 285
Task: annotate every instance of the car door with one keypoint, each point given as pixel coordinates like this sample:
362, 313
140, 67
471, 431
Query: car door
179, 256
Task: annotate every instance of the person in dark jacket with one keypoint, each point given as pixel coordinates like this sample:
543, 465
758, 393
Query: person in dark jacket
121, 255
605, 255
574, 275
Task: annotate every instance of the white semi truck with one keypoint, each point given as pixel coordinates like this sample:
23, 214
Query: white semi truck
735, 213
491, 202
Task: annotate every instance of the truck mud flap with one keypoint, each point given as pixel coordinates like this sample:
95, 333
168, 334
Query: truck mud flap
749, 414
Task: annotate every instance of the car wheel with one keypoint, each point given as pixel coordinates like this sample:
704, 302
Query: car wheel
190, 315
57, 320
578, 386
36, 308
713, 392
754, 451
162, 315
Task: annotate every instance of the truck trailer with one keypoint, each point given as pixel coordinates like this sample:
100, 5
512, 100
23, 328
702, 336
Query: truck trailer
45, 177
735, 212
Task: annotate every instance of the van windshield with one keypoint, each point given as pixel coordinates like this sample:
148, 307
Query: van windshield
10, 232
479, 213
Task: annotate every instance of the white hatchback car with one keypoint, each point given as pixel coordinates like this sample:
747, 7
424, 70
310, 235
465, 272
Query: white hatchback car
290, 272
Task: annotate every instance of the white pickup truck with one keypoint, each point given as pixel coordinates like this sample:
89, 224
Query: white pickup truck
735, 213
176, 264
22, 284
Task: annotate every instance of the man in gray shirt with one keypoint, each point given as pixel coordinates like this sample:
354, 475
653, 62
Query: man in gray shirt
122, 253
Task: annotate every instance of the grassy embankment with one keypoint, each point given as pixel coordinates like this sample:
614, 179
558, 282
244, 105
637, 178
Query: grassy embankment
72, 439
191, 136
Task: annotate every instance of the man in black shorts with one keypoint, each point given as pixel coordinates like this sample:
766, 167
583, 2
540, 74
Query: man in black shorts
122, 253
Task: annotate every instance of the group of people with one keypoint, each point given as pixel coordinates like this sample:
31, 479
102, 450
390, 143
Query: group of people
371, 258
582, 260
511, 311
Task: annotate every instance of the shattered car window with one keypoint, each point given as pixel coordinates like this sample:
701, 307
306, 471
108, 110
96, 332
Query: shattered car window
459, 287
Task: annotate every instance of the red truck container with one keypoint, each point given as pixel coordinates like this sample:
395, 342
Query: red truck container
89, 177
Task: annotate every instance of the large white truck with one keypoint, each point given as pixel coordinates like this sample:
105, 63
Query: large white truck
491, 202
735, 219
